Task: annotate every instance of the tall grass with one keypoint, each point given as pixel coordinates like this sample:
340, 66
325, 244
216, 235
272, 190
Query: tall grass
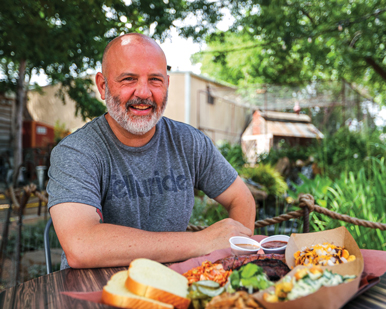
361, 195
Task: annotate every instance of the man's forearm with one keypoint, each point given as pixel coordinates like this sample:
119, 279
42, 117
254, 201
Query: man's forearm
108, 245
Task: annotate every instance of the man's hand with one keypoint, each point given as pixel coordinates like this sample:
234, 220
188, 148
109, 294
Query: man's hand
217, 235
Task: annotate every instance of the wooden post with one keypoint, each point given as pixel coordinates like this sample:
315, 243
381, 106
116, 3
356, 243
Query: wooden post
306, 220
23, 203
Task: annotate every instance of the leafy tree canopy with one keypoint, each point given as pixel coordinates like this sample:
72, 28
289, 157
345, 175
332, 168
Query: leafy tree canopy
65, 38
300, 41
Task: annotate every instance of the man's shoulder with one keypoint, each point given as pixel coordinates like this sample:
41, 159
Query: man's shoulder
181, 128
86, 137
89, 131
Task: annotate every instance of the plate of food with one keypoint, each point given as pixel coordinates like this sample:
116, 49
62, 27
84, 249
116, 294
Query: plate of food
322, 268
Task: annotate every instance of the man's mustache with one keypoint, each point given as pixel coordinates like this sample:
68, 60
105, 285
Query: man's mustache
140, 101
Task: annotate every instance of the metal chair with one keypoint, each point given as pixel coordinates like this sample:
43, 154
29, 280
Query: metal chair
47, 251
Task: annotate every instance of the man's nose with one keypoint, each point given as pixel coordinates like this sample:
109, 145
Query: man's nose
142, 90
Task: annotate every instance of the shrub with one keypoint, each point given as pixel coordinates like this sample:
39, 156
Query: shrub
206, 212
266, 175
233, 154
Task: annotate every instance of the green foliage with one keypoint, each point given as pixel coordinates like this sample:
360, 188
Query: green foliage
268, 177
207, 212
355, 194
299, 41
233, 154
32, 238
317, 187
80, 91
293, 153
60, 131
347, 151
344, 151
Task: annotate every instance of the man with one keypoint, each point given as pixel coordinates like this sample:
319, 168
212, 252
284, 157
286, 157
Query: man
122, 187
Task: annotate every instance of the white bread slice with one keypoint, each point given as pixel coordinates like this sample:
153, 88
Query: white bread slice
116, 294
153, 280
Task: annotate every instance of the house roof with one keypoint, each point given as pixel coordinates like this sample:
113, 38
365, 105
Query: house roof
281, 124
280, 116
293, 129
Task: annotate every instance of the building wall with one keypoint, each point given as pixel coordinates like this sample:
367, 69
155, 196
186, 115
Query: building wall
220, 120
175, 108
48, 108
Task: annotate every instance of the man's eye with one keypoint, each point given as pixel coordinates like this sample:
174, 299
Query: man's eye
156, 79
129, 78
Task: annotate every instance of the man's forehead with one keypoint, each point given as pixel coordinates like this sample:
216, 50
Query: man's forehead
131, 44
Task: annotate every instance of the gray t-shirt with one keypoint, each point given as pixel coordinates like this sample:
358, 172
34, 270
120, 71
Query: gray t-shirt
149, 187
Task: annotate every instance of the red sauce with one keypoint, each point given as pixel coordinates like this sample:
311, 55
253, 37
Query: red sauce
274, 244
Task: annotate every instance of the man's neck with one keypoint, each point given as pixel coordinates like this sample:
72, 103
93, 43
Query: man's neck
128, 138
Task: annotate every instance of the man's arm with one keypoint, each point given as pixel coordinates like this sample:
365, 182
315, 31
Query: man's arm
239, 202
89, 243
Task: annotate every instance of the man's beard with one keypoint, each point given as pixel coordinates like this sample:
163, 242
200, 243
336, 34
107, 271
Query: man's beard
137, 125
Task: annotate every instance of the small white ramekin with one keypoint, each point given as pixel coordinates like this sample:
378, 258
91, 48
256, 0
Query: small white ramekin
280, 250
243, 240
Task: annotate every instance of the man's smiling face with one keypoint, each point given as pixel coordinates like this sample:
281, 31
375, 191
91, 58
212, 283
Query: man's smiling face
134, 69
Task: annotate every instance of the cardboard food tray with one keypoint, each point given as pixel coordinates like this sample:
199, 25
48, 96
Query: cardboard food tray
325, 297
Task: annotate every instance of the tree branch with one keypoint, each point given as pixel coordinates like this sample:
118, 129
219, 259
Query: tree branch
308, 15
236, 49
377, 68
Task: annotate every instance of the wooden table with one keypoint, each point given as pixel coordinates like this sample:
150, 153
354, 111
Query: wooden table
44, 292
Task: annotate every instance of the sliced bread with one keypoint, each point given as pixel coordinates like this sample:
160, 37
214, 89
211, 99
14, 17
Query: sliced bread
153, 280
116, 294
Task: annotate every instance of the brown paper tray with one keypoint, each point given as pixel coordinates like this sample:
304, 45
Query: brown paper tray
326, 297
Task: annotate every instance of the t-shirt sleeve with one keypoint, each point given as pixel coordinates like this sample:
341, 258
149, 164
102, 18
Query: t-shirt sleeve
214, 173
73, 177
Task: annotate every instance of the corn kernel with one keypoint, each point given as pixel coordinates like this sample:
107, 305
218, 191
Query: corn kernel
345, 254
351, 258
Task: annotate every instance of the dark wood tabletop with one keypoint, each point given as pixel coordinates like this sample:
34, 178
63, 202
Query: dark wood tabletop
44, 292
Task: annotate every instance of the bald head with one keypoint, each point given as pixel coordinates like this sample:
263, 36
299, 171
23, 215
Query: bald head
126, 43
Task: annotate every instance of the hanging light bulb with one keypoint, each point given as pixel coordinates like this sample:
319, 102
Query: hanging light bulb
309, 40
340, 28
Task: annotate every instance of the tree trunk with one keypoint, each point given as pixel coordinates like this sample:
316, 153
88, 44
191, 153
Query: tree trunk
4, 238
19, 106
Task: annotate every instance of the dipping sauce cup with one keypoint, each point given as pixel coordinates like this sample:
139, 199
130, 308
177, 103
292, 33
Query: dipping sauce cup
243, 245
274, 244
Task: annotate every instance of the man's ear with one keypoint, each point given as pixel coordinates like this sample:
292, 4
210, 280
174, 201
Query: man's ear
101, 84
